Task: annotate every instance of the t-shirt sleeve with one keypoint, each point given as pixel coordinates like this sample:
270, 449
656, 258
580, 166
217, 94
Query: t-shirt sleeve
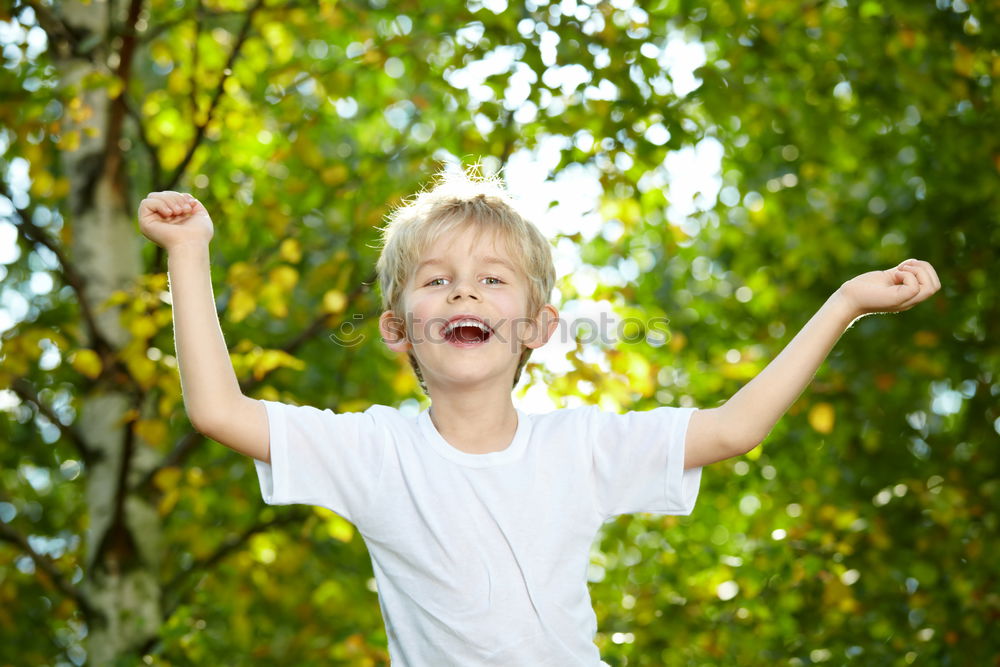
319, 457
638, 462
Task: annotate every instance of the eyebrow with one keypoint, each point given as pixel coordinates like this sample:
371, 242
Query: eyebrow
487, 259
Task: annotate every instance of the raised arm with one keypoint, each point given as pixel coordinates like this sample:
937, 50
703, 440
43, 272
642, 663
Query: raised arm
212, 397
743, 422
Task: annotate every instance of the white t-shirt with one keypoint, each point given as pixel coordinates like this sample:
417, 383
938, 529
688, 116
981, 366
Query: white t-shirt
481, 559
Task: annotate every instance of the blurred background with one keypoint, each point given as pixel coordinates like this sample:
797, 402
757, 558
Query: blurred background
721, 166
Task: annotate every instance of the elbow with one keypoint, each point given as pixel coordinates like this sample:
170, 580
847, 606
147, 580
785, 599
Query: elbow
199, 424
743, 446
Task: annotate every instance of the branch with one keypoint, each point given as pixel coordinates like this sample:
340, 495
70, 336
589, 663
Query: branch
176, 457
154, 158
27, 393
62, 37
117, 539
297, 342
183, 582
34, 235
200, 16
45, 564
116, 114
226, 73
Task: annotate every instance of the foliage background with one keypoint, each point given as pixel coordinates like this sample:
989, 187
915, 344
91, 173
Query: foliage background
853, 135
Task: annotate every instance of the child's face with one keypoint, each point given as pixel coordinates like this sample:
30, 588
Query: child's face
464, 278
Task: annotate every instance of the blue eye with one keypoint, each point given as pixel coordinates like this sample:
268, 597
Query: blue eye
436, 281
493, 278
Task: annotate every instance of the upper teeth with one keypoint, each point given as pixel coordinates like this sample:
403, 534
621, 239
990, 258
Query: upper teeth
465, 323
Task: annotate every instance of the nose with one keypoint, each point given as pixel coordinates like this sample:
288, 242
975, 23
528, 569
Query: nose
462, 289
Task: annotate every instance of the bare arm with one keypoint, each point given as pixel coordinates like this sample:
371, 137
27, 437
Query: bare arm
754, 410
746, 419
213, 399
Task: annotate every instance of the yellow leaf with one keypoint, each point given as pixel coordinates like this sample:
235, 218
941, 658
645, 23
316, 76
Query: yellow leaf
153, 431
42, 184
69, 141
677, 341
143, 328
339, 529
272, 297
115, 88
61, 188
130, 416
241, 304
86, 362
263, 548
336, 526
156, 282
271, 359
168, 501
171, 154
177, 82
404, 381
196, 477
243, 274
117, 298
167, 478
268, 393
167, 403
355, 405
334, 301
290, 251
821, 417
142, 369
334, 175
284, 277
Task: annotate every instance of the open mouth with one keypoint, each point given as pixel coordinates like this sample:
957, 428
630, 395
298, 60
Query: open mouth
466, 332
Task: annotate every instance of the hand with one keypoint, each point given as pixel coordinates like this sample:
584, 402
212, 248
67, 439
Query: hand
891, 291
171, 219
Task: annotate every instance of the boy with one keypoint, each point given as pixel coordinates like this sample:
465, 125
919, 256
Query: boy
478, 517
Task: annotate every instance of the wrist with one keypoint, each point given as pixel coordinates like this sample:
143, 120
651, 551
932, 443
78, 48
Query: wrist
188, 247
845, 307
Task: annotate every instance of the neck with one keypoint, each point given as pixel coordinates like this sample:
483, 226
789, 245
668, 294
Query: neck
477, 421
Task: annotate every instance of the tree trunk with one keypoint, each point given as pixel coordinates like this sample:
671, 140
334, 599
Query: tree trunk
124, 534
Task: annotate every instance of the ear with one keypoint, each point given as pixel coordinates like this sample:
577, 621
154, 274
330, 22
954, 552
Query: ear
393, 330
544, 326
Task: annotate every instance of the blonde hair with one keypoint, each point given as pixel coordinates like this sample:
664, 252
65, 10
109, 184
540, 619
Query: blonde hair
461, 198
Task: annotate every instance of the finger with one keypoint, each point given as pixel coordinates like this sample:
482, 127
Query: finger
174, 201
157, 205
165, 203
926, 271
923, 274
909, 278
910, 284
934, 276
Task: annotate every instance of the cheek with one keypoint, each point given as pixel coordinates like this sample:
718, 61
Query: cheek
419, 316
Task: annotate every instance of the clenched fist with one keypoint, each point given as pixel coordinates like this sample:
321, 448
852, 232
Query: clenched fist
171, 219
893, 290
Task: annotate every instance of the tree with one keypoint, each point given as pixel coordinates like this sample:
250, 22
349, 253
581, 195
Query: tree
851, 137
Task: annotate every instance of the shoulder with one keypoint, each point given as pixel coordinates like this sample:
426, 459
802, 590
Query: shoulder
561, 420
602, 420
354, 414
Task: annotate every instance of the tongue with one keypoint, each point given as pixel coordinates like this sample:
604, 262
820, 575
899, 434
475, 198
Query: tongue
468, 334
